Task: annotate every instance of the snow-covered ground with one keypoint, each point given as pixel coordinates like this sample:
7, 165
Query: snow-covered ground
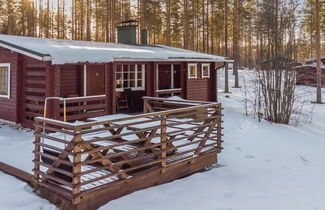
17, 195
263, 166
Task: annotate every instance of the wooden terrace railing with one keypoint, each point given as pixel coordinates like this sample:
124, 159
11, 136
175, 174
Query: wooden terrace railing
168, 92
77, 160
79, 108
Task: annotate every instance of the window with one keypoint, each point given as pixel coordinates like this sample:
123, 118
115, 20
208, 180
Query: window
168, 77
206, 70
130, 76
5, 80
192, 71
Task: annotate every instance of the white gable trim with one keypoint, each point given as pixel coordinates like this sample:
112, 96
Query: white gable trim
41, 58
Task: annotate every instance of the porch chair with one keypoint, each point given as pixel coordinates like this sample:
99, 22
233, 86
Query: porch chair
129, 97
121, 102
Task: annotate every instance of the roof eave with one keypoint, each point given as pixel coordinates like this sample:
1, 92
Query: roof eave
171, 60
24, 51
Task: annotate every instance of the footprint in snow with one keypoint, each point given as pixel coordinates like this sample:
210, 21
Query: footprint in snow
284, 167
238, 148
267, 160
228, 194
249, 156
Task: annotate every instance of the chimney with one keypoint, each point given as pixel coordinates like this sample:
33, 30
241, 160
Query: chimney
144, 36
127, 32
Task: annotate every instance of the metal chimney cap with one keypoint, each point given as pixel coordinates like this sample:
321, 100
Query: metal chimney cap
126, 23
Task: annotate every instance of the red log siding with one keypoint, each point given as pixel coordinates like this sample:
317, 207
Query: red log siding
307, 75
183, 67
197, 89
213, 83
110, 85
8, 107
70, 79
201, 89
32, 89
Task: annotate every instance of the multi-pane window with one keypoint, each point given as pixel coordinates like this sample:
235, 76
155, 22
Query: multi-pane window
130, 76
192, 71
205, 70
4, 80
168, 77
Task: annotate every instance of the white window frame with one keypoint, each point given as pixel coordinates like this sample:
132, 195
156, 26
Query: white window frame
172, 88
202, 67
9, 80
85, 80
189, 72
143, 71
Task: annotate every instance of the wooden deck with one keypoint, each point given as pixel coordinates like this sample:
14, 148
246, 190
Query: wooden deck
85, 165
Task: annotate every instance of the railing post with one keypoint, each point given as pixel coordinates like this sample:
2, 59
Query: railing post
76, 168
219, 128
37, 149
163, 140
145, 103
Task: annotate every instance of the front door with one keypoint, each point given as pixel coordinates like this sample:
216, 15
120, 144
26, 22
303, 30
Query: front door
95, 80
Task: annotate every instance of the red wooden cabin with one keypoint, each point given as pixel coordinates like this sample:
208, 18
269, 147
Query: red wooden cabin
306, 73
92, 78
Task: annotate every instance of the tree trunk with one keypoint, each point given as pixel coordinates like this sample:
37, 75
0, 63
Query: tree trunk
185, 24
88, 33
319, 70
226, 44
235, 43
168, 22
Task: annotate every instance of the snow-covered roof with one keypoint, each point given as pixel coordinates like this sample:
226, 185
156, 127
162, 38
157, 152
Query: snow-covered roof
70, 51
314, 65
313, 59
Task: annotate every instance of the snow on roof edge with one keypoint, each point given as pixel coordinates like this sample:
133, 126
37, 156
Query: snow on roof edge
72, 51
313, 59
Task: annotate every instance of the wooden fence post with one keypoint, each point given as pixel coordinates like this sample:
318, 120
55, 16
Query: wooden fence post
163, 140
76, 169
37, 149
219, 128
145, 104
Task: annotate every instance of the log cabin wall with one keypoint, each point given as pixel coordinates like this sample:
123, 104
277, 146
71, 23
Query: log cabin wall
71, 77
201, 89
8, 106
306, 75
33, 88
150, 77
213, 83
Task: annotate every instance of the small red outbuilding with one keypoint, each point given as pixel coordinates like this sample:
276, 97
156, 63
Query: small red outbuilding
306, 73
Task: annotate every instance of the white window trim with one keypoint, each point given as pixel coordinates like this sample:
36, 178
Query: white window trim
85, 80
171, 80
188, 71
208, 65
143, 71
9, 80
157, 76
166, 90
